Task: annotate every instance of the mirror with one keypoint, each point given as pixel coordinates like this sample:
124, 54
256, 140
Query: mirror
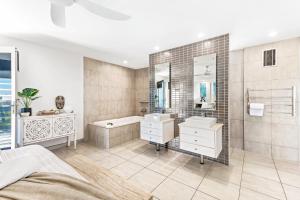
205, 82
162, 86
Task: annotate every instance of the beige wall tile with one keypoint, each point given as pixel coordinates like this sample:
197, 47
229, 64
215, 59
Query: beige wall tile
285, 135
258, 132
256, 147
141, 90
109, 91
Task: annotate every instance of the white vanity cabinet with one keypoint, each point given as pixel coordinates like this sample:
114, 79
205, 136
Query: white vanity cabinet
35, 129
203, 140
160, 132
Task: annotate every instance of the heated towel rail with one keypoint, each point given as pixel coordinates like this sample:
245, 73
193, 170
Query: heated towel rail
277, 101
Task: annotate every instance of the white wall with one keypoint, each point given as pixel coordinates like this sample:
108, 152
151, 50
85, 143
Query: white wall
54, 72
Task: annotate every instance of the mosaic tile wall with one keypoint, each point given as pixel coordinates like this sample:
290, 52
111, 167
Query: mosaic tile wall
181, 60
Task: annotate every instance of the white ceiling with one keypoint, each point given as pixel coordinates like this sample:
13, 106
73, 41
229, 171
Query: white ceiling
163, 23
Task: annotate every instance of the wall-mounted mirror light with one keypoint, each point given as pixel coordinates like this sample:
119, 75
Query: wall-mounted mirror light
205, 82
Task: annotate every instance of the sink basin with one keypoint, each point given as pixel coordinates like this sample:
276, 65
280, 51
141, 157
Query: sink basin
205, 122
157, 116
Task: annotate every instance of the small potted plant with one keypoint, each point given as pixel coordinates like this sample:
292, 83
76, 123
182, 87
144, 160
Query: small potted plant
28, 95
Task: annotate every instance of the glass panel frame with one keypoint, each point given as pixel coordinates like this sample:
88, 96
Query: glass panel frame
204, 82
8, 98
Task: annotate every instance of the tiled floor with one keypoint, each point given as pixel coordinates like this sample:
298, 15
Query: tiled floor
171, 175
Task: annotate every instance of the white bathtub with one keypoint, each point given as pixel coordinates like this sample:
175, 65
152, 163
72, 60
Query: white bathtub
122, 130
118, 122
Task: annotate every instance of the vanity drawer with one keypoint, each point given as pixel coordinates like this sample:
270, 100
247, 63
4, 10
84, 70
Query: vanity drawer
149, 124
198, 149
200, 139
209, 134
151, 131
151, 138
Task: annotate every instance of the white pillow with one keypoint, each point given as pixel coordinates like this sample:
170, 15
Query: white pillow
17, 168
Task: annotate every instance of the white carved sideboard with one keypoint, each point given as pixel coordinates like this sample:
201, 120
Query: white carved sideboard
35, 129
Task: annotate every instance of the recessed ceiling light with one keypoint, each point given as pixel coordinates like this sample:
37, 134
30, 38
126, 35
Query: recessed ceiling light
125, 62
201, 35
156, 48
273, 34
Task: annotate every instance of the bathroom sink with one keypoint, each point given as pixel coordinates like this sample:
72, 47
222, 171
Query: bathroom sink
157, 116
205, 122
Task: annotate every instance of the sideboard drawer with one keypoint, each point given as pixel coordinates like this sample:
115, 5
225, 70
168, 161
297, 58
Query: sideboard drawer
63, 125
37, 130
200, 139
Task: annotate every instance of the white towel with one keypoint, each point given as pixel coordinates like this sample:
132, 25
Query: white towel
256, 109
257, 106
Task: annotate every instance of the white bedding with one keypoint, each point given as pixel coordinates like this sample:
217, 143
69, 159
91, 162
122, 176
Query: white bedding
15, 169
48, 161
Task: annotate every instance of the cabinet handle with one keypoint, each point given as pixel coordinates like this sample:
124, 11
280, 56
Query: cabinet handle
196, 140
196, 132
196, 149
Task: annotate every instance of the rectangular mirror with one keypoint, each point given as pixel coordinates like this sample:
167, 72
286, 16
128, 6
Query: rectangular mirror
162, 86
205, 73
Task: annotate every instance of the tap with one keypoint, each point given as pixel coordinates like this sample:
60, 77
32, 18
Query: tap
203, 114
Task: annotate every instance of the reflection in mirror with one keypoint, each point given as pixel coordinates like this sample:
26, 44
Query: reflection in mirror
205, 82
162, 86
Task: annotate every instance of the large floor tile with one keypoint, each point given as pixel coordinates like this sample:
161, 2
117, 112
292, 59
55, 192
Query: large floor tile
167, 154
226, 173
96, 155
260, 170
292, 193
201, 196
258, 159
290, 178
64, 153
110, 161
163, 167
191, 176
170, 190
219, 189
145, 158
246, 194
127, 169
237, 154
141, 148
288, 166
263, 185
147, 179
126, 154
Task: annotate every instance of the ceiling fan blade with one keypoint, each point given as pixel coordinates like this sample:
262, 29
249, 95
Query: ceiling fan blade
58, 15
102, 11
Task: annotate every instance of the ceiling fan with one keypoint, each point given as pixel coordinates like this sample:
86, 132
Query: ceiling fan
58, 7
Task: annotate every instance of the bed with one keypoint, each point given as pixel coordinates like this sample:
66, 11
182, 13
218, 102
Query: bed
49, 162
55, 179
